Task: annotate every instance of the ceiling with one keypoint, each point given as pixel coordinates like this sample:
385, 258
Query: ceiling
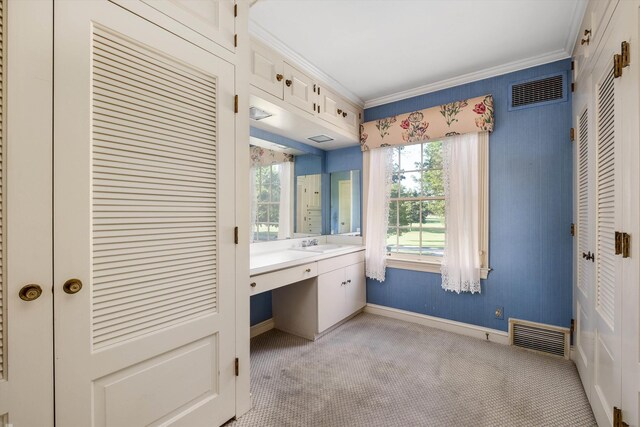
379, 51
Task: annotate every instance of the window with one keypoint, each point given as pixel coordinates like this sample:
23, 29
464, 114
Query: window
416, 233
416, 213
267, 190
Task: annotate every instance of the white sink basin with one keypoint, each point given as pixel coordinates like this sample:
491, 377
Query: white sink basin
321, 248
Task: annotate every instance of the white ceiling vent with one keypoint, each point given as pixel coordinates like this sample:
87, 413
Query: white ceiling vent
539, 337
320, 138
541, 91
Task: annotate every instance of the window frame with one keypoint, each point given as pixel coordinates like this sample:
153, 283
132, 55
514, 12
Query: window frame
258, 185
431, 264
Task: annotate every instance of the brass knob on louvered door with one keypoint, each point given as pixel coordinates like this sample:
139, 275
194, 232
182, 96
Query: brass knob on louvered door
279, 77
72, 286
288, 82
30, 292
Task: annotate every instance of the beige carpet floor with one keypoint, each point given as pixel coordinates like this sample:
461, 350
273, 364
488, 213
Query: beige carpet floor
375, 371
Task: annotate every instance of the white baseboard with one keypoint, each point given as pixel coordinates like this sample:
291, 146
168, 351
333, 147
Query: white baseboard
467, 329
262, 327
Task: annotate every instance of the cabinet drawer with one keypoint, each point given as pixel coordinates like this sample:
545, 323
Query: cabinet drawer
266, 282
340, 261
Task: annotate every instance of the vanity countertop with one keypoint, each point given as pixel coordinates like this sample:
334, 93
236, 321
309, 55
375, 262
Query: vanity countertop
266, 262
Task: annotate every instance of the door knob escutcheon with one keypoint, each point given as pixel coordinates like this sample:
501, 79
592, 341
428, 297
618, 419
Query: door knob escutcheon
72, 286
30, 292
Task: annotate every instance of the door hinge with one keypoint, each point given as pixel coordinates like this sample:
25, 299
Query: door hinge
572, 134
624, 54
626, 245
235, 104
573, 229
573, 87
573, 65
235, 235
235, 40
235, 10
617, 418
617, 66
572, 329
237, 366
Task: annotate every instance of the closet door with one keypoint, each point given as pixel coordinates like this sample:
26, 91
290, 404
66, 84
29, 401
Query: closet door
26, 328
585, 249
609, 93
144, 253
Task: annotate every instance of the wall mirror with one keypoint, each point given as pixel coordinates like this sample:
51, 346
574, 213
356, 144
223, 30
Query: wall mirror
346, 203
278, 210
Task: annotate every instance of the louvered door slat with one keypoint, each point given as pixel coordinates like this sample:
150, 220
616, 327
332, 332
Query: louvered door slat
605, 206
154, 188
583, 198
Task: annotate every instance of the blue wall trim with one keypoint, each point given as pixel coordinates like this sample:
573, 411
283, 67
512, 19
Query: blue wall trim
530, 211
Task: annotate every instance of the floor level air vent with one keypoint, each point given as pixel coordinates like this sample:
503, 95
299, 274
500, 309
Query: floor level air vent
532, 93
539, 337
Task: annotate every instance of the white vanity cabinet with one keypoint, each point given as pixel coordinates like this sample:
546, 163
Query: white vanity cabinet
341, 293
311, 298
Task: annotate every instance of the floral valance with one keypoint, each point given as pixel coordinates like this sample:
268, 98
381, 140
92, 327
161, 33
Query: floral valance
264, 157
456, 118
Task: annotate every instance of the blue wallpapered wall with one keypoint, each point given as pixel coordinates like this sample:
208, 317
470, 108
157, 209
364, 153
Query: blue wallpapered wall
530, 212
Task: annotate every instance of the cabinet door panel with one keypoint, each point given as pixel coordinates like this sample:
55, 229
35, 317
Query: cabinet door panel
331, 299
265, 67
300, 90
349, 118
356, 291
329, 105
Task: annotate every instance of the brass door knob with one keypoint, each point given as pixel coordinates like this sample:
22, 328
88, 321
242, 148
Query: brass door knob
288, 82
308, 270
279, 77
252, 284
30, 292
339, 111
344, 114
72, 286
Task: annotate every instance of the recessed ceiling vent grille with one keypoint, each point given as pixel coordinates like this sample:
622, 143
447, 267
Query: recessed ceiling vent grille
539, 337
536, 92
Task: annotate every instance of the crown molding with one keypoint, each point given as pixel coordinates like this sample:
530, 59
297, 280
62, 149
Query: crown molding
257, 31
469, 78
574, 28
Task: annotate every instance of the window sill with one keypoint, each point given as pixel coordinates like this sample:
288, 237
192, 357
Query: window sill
430, 266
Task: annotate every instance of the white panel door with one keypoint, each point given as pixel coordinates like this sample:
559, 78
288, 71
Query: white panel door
267, 70
144, 142
26, 328
298, 89
608, 113
356, 288
331, 298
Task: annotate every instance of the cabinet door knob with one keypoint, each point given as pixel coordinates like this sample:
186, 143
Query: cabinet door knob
343, 283
279, 77
252, 284
288, 82
339, 111
72, 286
30, 292
344, 114
349, 281
308, 270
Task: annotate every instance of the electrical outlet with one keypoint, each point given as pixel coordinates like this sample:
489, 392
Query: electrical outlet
500, 313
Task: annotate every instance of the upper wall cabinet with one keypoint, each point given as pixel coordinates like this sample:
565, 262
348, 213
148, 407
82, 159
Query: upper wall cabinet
288, 88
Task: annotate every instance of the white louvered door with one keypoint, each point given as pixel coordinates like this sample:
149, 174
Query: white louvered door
144, 218
608, 114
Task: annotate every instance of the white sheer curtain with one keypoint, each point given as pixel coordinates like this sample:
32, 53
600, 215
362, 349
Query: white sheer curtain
284, 222
378, 199
254, 202
461, 261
